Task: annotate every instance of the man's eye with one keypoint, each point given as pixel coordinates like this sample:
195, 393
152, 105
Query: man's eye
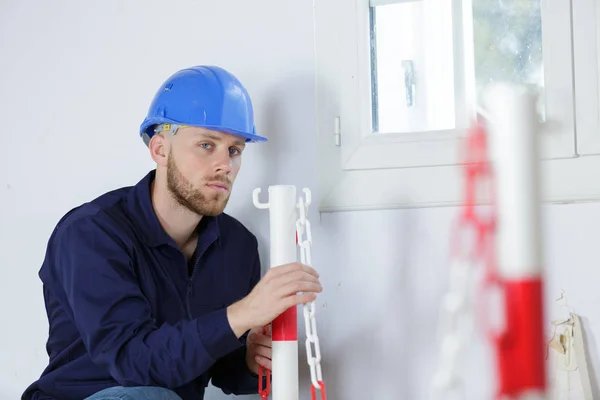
234, 152
205, 145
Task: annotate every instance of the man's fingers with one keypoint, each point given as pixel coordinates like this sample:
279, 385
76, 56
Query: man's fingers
259, 338
295, 287
309, 270
296, 299
292, 267
262, 351
256, 329
296, 276
296, 281
265, 362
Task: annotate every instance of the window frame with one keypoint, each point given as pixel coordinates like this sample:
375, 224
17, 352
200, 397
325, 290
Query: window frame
586, 39
361, 171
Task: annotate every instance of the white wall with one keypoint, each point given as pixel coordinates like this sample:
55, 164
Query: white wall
76, 79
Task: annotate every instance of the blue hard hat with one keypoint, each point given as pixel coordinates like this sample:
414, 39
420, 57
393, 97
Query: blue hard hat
203, 96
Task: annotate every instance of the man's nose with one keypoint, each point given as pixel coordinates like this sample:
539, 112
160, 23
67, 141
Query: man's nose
223, 161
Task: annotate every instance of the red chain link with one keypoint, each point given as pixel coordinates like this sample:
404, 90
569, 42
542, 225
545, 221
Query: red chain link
264, 392
478, 172
313, 391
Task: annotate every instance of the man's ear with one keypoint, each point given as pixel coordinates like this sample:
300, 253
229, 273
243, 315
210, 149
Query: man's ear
159, 149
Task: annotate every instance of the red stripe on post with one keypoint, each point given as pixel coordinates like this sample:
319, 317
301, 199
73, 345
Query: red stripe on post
521, 362
285, 327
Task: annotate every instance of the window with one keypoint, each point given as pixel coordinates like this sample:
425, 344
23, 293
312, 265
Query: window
413, 69
398, 82
417, 80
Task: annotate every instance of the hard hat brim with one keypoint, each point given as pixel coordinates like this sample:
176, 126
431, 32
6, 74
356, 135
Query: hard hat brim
147, 132
251, 138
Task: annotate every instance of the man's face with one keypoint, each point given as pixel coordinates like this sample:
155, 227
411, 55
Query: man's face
201, 168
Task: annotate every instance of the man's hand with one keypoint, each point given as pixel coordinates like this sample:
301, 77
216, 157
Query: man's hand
258, 349
277, 291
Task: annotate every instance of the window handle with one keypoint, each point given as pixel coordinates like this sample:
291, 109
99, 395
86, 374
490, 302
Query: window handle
409, 82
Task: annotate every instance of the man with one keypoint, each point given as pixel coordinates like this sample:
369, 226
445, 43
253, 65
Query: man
151, 290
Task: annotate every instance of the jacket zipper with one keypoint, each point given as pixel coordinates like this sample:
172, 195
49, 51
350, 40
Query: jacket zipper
190, 288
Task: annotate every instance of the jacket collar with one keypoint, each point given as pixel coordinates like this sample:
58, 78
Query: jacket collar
140, 207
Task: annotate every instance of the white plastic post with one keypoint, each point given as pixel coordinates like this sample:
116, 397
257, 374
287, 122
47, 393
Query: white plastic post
283, 250
514, 148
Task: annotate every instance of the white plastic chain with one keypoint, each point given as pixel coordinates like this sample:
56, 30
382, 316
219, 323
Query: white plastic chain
310, 323
471, 242
453, 333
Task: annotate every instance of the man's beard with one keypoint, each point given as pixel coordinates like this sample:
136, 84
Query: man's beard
208, 204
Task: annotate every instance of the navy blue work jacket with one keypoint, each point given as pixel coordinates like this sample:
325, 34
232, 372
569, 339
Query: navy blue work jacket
123, 309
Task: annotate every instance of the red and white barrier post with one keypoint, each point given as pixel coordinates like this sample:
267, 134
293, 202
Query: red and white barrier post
514, 133
283, 250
